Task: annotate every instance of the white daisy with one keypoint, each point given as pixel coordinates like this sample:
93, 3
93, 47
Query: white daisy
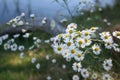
32, 16
93, 29
75, 77
16, 35
80, 42
106, 37
59, 48
21, 55
21, 48
53, 61
116, 34
72, 51
72, 25
94, 76
106, 77
33, 60
13, 47
79, 56
96, 49
87, 41
38, 66
86, 33
68, 42
26, 35
108, 45
107, 65
64, 66
6, 46
48, 78
77, 66
20, 23
84, 73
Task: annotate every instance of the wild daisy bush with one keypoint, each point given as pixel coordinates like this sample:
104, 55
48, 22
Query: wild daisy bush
88, 50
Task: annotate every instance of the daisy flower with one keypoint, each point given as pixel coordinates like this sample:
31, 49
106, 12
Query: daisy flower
84, 73
77, 66
116, 34
80, 42
94, 76
6, 46
107, 65
14, 47
96, 49
38, 66
72, 26
75, 77
106, 77
79, 56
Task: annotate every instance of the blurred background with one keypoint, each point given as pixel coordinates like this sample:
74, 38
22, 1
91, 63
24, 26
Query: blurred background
104, 14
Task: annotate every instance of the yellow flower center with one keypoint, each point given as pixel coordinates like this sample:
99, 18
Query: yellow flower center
93, 28
79, 33
71, 26
79, 55
96, 49
66, 35
108, 43
86, 40
86, 33
59, 48
60, 35
77, 66
80, 42
72, 51
106, 36
68, 43
70, 31
118, 33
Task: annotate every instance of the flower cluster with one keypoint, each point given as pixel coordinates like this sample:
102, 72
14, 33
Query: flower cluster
19, 20
75, 44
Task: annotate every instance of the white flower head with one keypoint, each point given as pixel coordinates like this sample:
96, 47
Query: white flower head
79, 56
33, 60
107, 65
116, 34
20, 23
32, 16
87, 41
38, 66
48, 78
96, 49
21, 55
6, 46
23, 14
106, 37
16, 35
63, 66
58, 48
72, 26
86, 33
84, 73
80, 42
75, 77
94, 76
77, 66
53, 60
106, 77
13, 47
21, 48
47, 57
